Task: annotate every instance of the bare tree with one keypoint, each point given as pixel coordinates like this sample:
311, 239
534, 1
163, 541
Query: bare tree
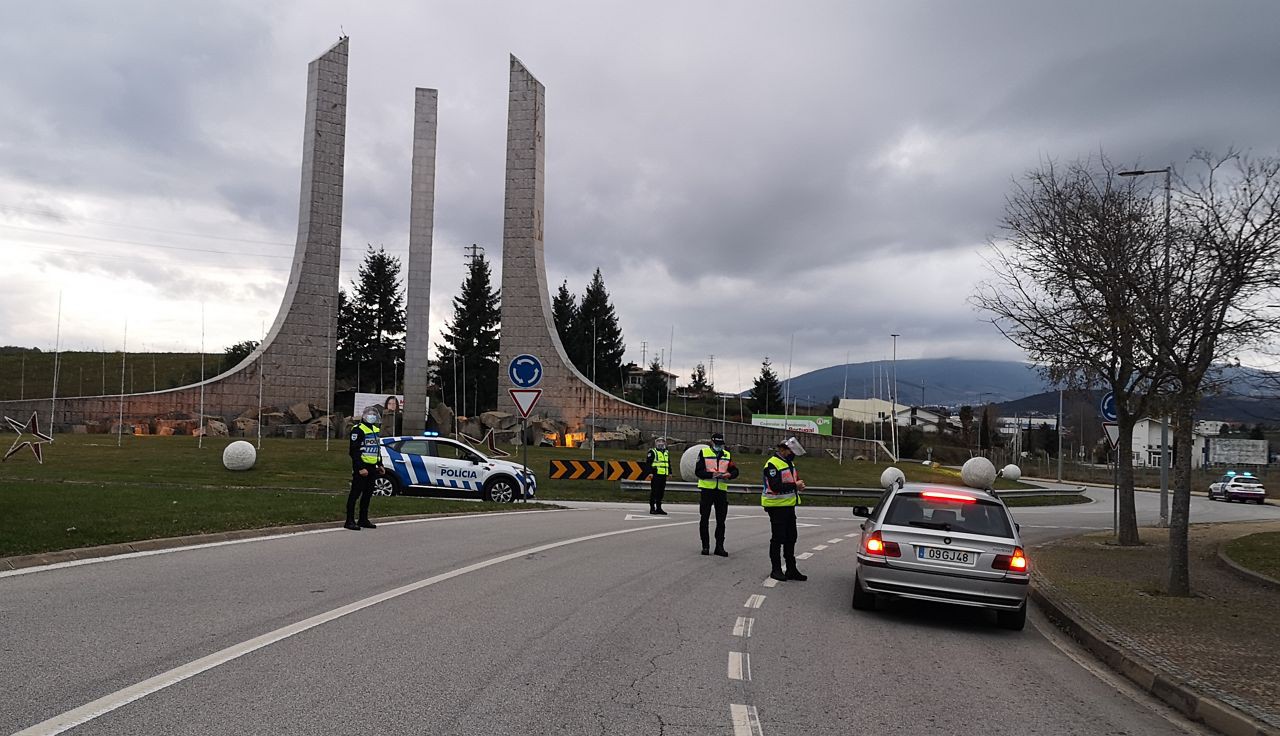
1066, 282
1217, 292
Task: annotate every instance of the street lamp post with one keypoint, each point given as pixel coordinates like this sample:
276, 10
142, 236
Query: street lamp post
1164, 423
893, 399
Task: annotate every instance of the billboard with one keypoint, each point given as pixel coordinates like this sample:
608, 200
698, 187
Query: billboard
1224, 451
807, 425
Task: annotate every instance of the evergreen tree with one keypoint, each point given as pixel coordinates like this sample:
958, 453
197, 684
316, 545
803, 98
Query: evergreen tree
986, 431
371, 324
699, 386
564, 311
470, 348
653, 391
236, 353
596, 328
766, 393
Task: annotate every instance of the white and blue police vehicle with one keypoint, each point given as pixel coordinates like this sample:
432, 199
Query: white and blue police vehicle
429, 463
1235, 486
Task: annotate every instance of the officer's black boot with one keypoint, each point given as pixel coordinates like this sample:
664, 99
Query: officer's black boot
351, 525
775, 559
720, 550
793, 573
366, 524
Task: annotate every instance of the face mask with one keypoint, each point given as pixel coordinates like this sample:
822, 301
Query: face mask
661, 445
371, 418
718, 445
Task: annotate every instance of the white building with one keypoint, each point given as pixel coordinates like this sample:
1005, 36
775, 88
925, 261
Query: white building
1209, 427
635, 378
878, 410
1146, 444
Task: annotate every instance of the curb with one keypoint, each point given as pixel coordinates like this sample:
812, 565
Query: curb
149, 545
1244, 572
1163, 684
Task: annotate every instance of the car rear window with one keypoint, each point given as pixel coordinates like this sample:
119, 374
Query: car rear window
977, 517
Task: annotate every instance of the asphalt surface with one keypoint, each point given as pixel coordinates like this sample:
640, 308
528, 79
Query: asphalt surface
516, 624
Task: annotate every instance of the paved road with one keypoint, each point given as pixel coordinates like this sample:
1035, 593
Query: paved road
570, 622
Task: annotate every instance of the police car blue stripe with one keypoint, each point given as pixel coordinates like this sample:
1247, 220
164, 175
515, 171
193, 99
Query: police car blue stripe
420, 469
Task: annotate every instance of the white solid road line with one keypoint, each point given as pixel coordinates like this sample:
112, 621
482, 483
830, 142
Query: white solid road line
770, 583
108, 703
208, 545
804, 555
739, 666
746, 722
819, 548
742, 627
754, 601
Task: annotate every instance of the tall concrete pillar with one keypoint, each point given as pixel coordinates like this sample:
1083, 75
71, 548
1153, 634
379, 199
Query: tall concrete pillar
418, 297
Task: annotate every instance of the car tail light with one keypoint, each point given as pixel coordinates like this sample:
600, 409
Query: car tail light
1016, 562
877, 547
942, 496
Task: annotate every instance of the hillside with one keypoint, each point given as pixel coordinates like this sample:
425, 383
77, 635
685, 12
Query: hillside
30, 374
946, 381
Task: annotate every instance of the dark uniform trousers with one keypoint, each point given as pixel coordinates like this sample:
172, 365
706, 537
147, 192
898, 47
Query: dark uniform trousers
707, 500
362, 488
782, 529
657, 489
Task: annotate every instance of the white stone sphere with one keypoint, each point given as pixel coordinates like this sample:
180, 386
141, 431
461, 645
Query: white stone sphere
978, 472
239, 455
1011, 472
891, 477
689, 461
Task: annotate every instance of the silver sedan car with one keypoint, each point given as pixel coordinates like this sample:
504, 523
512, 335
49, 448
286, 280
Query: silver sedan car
944, 544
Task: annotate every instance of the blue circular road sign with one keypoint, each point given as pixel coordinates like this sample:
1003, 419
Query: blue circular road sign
525, 371
1108, 407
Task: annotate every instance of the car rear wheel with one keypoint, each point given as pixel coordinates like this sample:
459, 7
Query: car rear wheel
1012, 620
386, 485
862, 600
500, 490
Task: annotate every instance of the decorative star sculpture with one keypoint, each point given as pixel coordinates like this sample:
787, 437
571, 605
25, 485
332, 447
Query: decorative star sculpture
40, 437
490, 441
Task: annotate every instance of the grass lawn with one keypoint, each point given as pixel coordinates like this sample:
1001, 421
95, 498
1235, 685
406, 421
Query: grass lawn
1258, 552
44, 517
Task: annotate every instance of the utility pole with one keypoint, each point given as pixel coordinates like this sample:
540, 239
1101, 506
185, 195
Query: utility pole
893, 398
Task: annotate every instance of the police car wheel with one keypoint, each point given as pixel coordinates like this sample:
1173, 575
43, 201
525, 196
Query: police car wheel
385, 485
500, 490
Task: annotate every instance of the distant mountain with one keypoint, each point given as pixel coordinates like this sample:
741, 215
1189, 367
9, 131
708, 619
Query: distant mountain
1016, 386
945, 381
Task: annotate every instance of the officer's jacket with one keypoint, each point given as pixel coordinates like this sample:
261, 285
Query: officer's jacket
721, 461
658, 461
365, 450
780, 487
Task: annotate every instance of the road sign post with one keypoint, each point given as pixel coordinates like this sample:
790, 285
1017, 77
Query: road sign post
525, 372
1107, 407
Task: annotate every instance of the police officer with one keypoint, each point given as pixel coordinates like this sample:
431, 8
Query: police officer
779, 497
366, 463
714, 470
658, 462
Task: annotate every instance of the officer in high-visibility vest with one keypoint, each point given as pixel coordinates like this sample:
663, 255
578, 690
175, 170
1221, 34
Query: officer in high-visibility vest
366, 463
659, 464
714, 470
779, 497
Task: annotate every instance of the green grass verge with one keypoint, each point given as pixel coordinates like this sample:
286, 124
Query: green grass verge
1258, 552
44, 517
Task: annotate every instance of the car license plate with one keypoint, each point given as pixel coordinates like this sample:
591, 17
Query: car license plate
954, 556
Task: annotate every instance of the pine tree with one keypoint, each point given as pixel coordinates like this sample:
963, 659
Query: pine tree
371, 323
766, 393
236, 353
653, 391
597, 330
564, 311
699, 386
470, 347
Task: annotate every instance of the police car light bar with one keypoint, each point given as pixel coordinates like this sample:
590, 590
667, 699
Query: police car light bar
429, 434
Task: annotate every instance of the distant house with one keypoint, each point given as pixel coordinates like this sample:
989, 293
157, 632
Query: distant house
636, 374
1146, 444
1209, 427
878, 410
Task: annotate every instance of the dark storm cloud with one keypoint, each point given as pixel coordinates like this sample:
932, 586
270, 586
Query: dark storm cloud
830, 170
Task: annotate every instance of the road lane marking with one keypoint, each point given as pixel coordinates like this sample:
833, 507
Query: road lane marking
804, 555
819, 548
851, 535
742, 627
837, 540
247, 540
746, 721
754, 601
770, 582
120, 698
739, 666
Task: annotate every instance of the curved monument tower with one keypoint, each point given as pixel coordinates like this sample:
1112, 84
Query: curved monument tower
295, 361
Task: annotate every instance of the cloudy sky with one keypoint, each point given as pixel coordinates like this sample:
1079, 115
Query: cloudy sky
824, 170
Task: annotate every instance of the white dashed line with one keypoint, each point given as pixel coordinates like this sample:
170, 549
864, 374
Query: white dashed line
770, 582
804, 555
819, 548
742, 627
746, 722
739, 666
837, 540
754, 601
851, 535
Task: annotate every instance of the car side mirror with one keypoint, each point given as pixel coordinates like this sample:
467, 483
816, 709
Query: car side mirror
1017, 527
862, 511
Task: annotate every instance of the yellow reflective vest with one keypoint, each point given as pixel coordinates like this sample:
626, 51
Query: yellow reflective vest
715, 465
370, 450
779, 483
661, 462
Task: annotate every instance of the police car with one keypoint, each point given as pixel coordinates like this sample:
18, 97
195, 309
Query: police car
429, 462
1238, 487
